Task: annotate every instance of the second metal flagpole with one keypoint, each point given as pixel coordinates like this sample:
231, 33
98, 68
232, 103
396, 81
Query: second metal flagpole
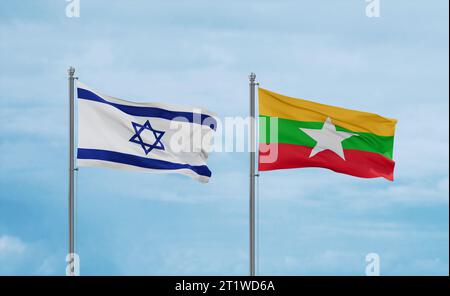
71, 257
252, 78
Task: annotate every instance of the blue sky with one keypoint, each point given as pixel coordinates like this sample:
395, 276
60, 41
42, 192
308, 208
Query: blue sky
312, 221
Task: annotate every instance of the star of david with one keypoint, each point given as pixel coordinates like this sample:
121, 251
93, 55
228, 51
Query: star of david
137, 138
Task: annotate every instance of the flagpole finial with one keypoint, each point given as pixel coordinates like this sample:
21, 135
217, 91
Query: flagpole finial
71, 71
252, 77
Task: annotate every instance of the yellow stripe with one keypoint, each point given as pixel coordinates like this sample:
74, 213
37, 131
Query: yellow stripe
276, 105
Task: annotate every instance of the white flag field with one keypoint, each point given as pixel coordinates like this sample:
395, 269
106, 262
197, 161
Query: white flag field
153, 137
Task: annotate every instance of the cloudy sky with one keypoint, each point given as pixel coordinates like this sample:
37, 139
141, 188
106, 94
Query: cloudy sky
311, 221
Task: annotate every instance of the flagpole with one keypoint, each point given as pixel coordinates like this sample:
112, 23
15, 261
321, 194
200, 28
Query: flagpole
252, 78
71, 72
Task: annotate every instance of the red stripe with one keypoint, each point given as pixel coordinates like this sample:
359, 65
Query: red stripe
357, 163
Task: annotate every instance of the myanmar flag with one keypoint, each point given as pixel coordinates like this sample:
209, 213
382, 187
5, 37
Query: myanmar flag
295, 133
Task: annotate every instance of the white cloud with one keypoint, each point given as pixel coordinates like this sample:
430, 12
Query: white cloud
18, 257
11, 245
50, 265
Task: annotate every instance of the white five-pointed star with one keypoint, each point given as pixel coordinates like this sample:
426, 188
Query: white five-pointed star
327, 138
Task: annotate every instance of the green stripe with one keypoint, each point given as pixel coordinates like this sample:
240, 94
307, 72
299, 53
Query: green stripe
289, 133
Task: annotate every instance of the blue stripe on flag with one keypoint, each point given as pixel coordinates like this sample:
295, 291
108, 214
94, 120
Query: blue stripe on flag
150, 111
142, 162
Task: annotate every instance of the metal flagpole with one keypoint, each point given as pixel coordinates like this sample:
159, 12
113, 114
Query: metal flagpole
71, 73
252, 78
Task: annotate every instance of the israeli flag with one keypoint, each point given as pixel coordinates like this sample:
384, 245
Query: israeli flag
114, 133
